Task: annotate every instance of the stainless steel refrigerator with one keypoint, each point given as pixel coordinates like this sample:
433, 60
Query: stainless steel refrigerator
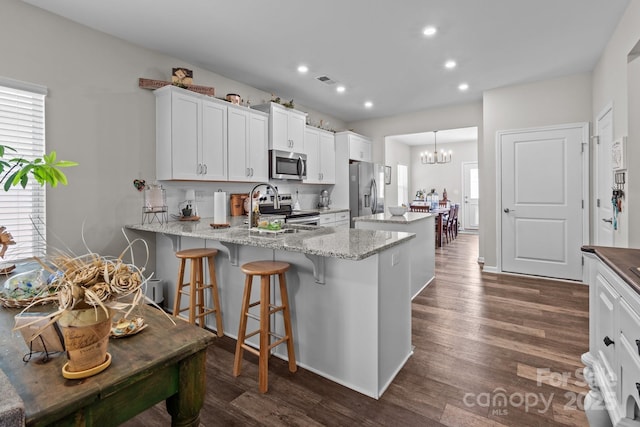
366, 189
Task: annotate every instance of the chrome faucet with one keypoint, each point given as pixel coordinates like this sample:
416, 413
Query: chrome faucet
276, 200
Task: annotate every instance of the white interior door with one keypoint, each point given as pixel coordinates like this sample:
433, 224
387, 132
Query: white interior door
541, 210
471, 185
604, 180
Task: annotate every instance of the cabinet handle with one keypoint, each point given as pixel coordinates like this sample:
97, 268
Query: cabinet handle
638, 344
608, 341
206, 169
248, 172
638, 388
251, 171
199, 169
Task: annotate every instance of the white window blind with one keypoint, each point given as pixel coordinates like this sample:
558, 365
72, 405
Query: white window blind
22, 211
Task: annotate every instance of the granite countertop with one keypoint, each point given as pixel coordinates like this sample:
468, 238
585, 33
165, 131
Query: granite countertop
407, 218
624, 262
345, 243
332, 210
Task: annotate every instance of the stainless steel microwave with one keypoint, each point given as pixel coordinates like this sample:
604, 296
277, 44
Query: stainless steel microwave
287, 165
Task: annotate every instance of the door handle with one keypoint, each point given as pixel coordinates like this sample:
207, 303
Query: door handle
610, 220
507, 210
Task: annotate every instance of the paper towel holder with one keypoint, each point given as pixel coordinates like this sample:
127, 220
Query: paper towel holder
220, 207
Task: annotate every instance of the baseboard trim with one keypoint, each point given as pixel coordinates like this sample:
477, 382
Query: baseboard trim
490, 269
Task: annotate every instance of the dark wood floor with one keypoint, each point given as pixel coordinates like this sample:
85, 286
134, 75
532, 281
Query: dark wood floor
490, 350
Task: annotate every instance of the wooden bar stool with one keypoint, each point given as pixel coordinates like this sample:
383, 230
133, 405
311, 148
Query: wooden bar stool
264, 269
197, 308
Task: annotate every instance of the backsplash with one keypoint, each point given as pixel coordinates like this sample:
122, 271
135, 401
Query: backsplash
308, 194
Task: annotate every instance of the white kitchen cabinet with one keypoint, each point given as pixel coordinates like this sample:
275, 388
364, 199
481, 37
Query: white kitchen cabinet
286, 127
359, 147
334, 219
320, 148
342, 219
191, 136
247, 141
612, 365
327, 219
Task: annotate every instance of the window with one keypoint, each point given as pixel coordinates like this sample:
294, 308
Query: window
22, 211
403, 185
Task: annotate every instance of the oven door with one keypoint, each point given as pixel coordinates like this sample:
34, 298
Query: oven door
287, 165
304, 220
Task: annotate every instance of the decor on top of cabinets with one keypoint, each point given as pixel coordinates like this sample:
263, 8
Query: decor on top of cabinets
157, 84
286, 127
320, 148
191, 136
181, 77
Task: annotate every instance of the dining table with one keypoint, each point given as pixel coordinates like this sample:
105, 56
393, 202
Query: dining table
441, 216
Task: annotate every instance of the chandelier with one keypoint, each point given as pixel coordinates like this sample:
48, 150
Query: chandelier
435, 157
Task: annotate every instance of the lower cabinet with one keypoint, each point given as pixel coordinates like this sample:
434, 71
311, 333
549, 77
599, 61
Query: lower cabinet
335, 219
612, 365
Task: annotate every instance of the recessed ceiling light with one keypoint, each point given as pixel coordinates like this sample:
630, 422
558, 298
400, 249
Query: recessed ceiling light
368, 104
463, 86
450, 64
303, 69
340, 89
429, 31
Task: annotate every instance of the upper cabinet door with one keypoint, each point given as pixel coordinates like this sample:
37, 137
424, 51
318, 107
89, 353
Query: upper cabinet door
214, 141
238, 137
296, 127
287, 127
327, 154
311, 149
259, 147
280, 130
185, 136
191, 136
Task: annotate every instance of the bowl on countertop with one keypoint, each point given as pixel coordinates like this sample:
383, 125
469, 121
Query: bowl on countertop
397, 210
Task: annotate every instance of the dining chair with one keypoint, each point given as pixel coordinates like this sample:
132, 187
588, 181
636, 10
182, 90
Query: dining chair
448, 223
456, 223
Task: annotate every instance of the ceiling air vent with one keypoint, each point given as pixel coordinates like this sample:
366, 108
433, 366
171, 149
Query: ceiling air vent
326, 80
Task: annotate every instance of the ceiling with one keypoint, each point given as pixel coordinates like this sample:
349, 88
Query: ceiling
445, 136
376, 49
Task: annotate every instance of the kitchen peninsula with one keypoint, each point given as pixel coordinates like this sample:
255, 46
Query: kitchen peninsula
422, 248
349, 292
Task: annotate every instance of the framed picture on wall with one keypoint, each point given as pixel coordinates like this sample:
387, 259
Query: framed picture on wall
618, 154
387, 175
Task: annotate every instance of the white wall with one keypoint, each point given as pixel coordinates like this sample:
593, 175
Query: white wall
97, 116
396, 153
448, 175
550, 102
612, 83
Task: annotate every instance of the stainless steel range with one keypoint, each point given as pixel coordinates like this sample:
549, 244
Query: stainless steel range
265, 204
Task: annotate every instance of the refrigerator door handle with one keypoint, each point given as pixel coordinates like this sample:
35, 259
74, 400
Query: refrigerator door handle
374, 192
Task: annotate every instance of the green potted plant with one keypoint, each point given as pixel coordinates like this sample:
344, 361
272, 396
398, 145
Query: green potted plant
45, 170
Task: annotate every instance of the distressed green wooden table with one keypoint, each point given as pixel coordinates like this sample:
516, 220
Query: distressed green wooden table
162, 362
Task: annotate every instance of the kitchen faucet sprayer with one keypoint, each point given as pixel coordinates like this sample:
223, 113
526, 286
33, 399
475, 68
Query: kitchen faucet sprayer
276, 200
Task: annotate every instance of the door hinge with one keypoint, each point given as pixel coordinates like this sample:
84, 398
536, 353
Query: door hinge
598, 203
